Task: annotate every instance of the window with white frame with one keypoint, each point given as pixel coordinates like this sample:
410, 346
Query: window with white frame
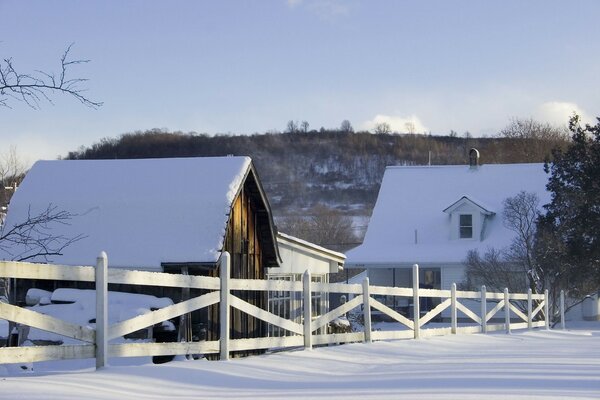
465, 226
280, 304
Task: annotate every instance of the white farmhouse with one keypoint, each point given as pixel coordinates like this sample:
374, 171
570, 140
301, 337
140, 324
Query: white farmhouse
433, 215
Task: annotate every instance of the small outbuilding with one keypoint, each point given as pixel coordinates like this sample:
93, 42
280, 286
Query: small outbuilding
299, 256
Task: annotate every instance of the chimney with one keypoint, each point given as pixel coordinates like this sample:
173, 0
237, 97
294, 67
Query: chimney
473, 158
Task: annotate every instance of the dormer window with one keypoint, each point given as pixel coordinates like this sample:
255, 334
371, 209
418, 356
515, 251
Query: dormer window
468, 219
466, 226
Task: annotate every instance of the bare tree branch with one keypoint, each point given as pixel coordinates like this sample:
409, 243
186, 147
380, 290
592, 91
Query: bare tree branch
35, 238
35, 88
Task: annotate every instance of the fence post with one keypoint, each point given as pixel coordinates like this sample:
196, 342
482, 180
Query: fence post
416, 305
307, 299
506, 310
483, 309
453, 316
562, 310
529, 310
101, 310
224, 311
546, 314
367, 310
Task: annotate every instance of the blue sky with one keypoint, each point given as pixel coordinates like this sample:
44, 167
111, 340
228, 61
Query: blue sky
250, 66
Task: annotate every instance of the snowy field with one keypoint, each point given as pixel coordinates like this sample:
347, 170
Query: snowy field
532, 365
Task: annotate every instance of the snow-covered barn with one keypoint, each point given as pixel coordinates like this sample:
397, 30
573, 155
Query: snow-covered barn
433, 215
170, 214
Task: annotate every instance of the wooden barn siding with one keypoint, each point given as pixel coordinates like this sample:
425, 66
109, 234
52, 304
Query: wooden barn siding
243, 243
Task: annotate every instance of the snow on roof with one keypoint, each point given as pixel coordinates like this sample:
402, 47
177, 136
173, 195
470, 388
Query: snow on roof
141, 212
413, 199
334, 255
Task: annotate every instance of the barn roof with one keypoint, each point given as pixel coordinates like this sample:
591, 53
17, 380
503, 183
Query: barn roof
410, 221
142, 212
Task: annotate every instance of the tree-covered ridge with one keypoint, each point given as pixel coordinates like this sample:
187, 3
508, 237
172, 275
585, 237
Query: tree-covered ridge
303, 169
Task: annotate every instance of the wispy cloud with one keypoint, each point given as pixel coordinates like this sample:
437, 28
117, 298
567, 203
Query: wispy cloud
293, 3
397, 123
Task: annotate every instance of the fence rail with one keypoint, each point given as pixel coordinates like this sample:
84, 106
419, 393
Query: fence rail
306, 333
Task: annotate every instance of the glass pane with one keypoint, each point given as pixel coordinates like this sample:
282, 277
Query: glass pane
466, 232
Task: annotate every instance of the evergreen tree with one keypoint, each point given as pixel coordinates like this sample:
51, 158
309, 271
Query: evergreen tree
574, 211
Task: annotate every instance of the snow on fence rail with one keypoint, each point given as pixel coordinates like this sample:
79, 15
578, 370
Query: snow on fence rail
96, 341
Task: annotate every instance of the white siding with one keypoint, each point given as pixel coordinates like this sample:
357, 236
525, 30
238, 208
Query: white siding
452, 274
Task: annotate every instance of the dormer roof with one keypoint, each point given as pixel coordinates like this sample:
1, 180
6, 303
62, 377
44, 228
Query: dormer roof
466, 200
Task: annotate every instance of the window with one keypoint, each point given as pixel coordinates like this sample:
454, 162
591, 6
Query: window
466, 226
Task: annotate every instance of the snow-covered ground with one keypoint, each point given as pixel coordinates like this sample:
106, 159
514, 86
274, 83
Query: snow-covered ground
534, 365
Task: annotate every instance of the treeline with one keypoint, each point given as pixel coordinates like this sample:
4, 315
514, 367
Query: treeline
338, 168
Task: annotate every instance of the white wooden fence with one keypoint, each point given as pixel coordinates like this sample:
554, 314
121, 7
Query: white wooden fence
96, 341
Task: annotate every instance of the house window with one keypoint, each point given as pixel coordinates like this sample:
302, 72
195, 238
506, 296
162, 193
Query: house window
466, 226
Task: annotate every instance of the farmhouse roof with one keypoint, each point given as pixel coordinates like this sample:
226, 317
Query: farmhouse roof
142, 212
411, 221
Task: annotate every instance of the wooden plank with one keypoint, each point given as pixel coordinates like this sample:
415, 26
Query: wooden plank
494, 310
468, 313
518, 312
337, 288
434, 312
143, 321
28, 354
537, 309
496, 327
537, 297
538, 324
392, 335
162, 349
430, 332
335, 338
517, 296
468, 329
46, 323
461, 294
266, 343
265, 285
391, 291
335, 313
494, 296
433, 293
519, 325
24, 270
144, 278
391, 313
264, 315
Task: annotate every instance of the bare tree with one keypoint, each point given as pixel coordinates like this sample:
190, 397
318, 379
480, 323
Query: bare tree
323, 226
12, 172
513, 267
382, 128
304, 126
520, 215
35, 238
533, 140
346, 126
292, 126
33, 88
